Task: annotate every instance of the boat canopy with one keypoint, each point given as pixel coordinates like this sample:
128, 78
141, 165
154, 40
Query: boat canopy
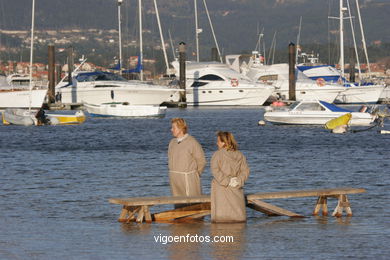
98, 76
334, 108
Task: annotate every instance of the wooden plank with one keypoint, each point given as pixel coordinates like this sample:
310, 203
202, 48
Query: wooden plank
274, 209
149, 201
182, 212
304, 193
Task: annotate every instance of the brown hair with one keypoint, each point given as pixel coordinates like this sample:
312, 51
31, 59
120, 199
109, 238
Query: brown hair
229, 140
181, 124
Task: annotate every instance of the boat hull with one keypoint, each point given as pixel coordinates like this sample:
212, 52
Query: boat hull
21, 98
99, 95
229, 96
15, 116
307, 118
360, 94
119, 110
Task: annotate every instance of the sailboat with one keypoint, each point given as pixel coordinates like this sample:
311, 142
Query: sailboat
18, 97
22, 116
28, 117
355, 92
104, 87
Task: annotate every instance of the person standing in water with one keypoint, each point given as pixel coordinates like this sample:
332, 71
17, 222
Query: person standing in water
230, 171
186, 161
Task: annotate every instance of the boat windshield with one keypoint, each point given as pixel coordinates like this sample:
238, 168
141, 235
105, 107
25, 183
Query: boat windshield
294, 105
99, 76
310, 107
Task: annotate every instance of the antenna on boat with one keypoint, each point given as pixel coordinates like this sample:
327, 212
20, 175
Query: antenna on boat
31, 51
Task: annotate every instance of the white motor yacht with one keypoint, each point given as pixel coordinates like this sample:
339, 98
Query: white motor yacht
277, 75
103, 87
355, 93
215, 84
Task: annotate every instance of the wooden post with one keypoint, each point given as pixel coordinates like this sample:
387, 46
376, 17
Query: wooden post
182, 80
70, 64
291, 71
51, 74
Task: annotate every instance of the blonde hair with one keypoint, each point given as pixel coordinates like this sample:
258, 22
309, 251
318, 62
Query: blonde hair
229, 140
180, 123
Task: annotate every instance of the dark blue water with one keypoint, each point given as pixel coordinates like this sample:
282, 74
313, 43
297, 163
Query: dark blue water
56, 181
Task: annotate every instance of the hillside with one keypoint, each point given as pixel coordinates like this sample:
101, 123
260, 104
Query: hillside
236, 22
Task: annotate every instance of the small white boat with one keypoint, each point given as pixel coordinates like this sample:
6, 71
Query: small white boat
316, 113
17, 116
117, 109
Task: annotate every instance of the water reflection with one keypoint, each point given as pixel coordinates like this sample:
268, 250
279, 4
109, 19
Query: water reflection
189, 246
228, 249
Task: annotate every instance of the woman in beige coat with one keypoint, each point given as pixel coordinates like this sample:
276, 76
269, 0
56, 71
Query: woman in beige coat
230, 171
186, 161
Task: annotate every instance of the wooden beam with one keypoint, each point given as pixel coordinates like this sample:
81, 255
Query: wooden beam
304, 193
274, 210
187, 211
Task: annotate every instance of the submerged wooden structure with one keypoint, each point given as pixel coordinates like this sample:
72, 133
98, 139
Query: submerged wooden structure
138, 209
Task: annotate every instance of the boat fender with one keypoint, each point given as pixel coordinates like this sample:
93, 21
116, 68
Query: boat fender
341, 129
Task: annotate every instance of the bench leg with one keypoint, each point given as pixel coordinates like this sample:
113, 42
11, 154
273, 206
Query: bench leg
128, 214
321, 203
342, 204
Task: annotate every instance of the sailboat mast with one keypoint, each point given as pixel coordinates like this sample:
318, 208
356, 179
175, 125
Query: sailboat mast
120, 36
363, 37
341, 38
162, 38
31, 51
196, 30
212, 30
354, 42
140, 38
298, 40
172, 46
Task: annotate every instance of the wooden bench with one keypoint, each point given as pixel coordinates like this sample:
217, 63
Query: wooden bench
137, 209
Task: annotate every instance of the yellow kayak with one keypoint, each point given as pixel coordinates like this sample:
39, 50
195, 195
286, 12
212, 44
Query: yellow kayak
341, 120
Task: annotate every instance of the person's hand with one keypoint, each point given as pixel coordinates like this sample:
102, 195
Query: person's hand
234, 182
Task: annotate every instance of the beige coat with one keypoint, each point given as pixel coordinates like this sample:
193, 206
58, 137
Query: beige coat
227, 203
186, 162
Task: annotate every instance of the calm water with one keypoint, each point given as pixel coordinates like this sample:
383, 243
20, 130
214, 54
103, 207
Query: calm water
56, 180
